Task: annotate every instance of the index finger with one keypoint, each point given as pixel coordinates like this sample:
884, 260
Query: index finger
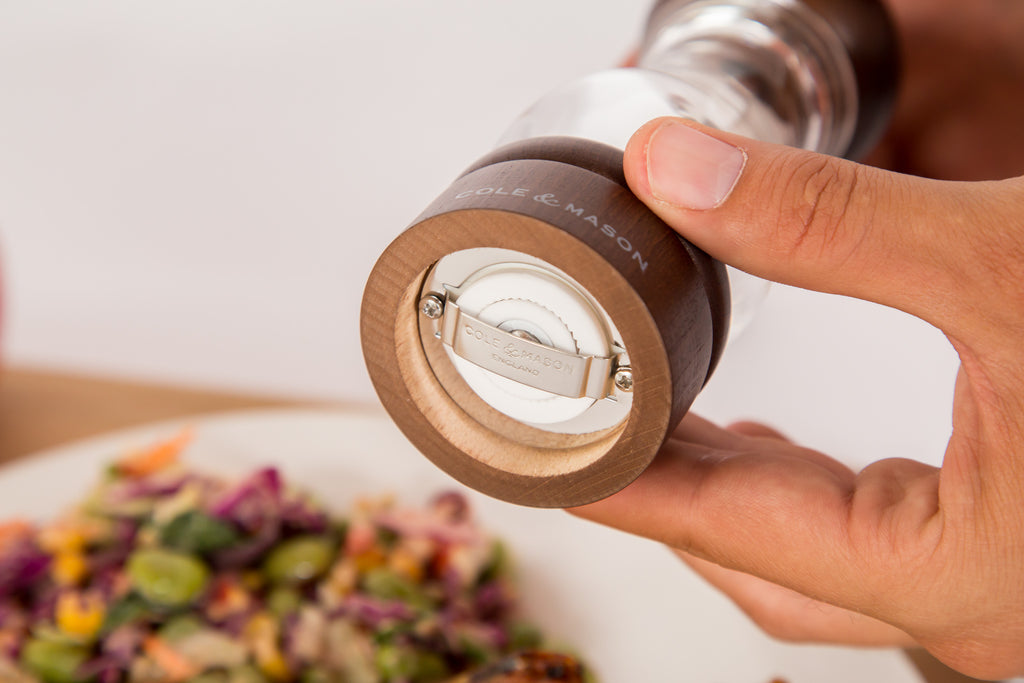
783, 513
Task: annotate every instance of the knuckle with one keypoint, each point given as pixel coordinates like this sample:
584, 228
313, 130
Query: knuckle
819, 215
895, 521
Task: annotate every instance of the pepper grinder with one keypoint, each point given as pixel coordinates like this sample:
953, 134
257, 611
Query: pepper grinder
537, 331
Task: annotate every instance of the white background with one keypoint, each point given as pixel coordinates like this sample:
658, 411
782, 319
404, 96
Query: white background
195, 191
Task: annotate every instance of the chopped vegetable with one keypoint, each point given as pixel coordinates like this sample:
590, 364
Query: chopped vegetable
22, 561
283, 600
195, 531
14, 531
54, 662
299, 560
167, 578
154, 458
211, 677
80, 615
164, 575
246, 674
209, 648
175, 667
128, 609
180, 626
408, 664
263, 635
69, 568
390, 585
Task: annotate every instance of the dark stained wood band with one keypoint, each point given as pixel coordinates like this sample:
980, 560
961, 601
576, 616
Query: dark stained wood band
654, 291
606, 161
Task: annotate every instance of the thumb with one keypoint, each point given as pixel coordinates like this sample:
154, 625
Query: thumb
816, 221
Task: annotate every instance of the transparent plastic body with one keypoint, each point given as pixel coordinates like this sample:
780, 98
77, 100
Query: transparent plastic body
767, 69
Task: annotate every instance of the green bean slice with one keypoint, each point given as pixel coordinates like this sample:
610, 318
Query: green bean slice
299, 559
167, 578
54, 662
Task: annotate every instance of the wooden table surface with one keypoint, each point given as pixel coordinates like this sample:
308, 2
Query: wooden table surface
41, 409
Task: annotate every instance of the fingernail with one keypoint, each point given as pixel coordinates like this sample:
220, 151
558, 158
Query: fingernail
691, 169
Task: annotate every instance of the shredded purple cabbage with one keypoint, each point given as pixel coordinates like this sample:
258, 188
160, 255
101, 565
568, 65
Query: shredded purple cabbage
252, 500
12, 620
103, 669
123, 642
251, 549
109, 558
373, 612
451, 505
128, 490
11, 616
115, 656
44, 602
434, 528
254, 506
492, 600
21, 564
302, 516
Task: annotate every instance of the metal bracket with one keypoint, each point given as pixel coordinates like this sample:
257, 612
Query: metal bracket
524, 361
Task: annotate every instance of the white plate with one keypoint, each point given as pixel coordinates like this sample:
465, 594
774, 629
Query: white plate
633, 611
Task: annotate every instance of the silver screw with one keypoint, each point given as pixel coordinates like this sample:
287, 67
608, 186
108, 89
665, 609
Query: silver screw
523, 334
431, 306
624, 378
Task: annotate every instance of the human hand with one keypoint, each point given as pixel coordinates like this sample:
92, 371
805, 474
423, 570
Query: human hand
901, 552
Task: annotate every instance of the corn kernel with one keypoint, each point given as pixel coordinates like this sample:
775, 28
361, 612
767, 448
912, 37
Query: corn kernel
369, 559
227, 598
259, 625
80, 614
343, 578
61, 538
262, 633
406, 564
71, 533
252, 580
273, 665
68, 568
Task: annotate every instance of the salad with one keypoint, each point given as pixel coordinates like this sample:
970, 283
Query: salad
166, 575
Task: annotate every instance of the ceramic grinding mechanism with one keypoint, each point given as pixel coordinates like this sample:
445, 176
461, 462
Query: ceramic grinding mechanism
538, 332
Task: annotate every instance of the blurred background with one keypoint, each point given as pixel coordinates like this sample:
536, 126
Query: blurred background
194, 192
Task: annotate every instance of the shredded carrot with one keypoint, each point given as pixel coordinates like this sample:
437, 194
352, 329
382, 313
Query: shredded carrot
14, 530
154, 458
173, 664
